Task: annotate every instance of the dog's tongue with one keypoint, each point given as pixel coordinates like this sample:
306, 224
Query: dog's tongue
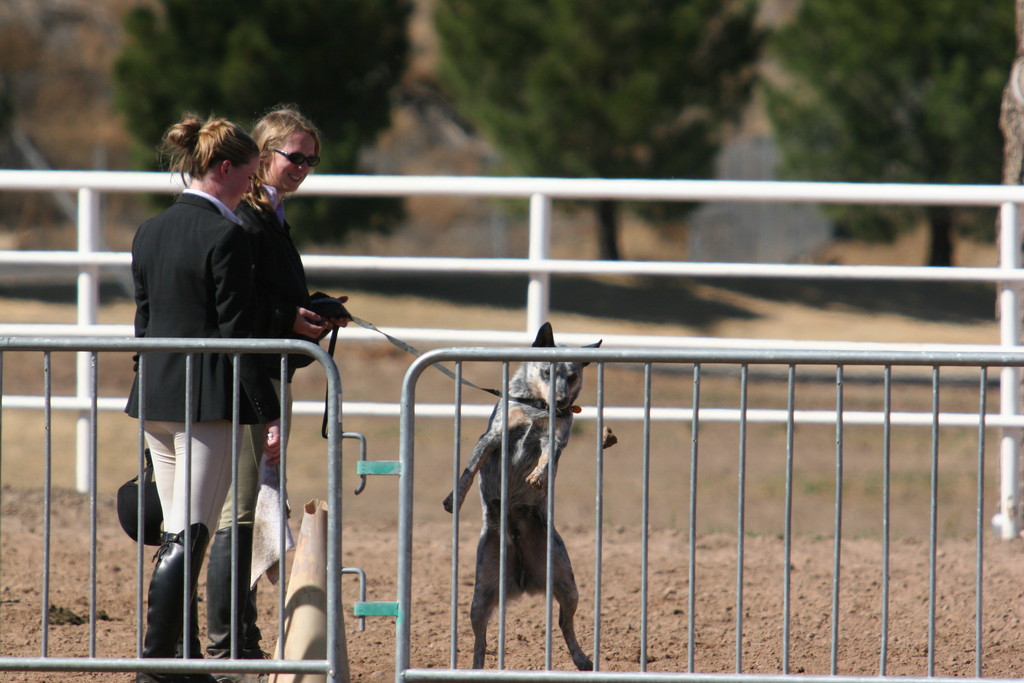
577, 410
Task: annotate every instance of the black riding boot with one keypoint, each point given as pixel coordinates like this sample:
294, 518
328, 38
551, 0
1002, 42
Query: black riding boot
165, 617
218, 598
195, 645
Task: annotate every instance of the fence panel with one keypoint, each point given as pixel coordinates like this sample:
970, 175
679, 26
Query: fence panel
85, 583
837, 524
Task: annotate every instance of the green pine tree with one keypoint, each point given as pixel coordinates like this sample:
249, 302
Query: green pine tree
601, 88
894, 92
338, 60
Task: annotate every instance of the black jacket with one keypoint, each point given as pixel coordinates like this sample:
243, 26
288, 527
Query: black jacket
192, 270
280, 280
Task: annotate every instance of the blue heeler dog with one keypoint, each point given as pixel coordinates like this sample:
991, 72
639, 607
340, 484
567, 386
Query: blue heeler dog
531, 459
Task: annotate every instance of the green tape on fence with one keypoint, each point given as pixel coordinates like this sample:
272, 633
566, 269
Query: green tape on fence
376, 609
378, 467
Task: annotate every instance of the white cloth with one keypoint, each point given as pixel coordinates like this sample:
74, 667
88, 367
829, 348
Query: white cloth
268, 524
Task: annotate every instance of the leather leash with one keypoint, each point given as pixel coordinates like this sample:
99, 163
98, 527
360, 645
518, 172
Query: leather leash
408, 348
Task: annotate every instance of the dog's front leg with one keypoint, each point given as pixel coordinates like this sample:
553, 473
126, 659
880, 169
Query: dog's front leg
484, 447
538, 476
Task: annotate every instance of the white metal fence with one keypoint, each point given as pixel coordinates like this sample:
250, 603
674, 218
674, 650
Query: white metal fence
87, 260
675, 479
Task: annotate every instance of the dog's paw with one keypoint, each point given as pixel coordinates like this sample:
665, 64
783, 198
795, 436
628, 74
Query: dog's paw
582, 662
448, 502
535, 479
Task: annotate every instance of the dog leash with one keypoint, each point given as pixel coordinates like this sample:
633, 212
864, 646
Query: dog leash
398, 343
408, 348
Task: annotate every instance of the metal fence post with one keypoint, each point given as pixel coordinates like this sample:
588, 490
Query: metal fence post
88, 302
1008, 519
538, 293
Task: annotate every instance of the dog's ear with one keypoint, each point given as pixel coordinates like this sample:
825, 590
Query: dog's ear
545, 337
592, 346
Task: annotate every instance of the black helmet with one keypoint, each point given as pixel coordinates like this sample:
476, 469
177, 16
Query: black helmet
128, 507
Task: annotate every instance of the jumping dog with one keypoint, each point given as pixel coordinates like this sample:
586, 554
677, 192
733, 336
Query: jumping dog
531, 459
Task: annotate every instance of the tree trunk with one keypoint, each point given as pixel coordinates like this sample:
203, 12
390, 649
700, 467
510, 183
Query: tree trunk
1011, 115
940, 222
608, 230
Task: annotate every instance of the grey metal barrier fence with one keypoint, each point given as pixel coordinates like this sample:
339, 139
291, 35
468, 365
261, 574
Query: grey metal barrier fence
97, 570
757, 548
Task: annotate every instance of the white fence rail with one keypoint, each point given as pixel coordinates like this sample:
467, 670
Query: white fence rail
1007, 275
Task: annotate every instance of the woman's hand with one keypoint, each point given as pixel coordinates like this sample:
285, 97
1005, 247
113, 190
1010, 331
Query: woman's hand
335, 323
308, 324
272, 442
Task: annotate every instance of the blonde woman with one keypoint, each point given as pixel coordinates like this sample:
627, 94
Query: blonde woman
289, 148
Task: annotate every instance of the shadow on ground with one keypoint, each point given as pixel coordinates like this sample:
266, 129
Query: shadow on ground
662, 300
676, 300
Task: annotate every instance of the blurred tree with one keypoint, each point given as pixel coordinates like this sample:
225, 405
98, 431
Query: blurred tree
338, 60
6, 109
642, 89
894, 92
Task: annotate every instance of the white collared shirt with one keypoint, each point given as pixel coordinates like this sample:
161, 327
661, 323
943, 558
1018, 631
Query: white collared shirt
221, 206
276, 201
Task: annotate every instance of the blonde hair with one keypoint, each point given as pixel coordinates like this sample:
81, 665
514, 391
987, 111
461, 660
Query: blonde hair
192, 146
270, 132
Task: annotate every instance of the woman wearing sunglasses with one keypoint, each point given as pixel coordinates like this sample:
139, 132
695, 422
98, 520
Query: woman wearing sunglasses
289, 147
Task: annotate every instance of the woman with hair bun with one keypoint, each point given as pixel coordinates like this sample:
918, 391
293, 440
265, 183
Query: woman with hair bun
193, 272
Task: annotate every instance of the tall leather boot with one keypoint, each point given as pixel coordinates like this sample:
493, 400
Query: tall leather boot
218, 599
165, 617
195, 645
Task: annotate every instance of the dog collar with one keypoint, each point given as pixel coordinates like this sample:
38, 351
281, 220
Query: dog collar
541, 404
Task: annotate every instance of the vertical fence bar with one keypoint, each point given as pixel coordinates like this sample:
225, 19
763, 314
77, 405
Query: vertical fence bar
1009, 518
645, 518
453, 655
980, 531
47, 491
186, 601
549, 531
837, 549
741, 515
337, 653
539, 288
233, 501
787, 534
88, 302
407, 433
933, 518
598, 518
93, 489
140, 550
691, 593
503, 523
883, 650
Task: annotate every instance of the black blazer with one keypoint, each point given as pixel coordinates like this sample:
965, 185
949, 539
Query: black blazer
193, 276
280, 280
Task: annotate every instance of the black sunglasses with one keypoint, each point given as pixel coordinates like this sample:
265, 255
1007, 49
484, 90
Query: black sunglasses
298, 158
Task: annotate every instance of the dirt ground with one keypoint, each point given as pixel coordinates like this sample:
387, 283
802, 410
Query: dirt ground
733, 602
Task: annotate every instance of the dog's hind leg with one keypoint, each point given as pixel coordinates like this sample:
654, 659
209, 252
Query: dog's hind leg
485, 591
533, 541
564, 588
568, 599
